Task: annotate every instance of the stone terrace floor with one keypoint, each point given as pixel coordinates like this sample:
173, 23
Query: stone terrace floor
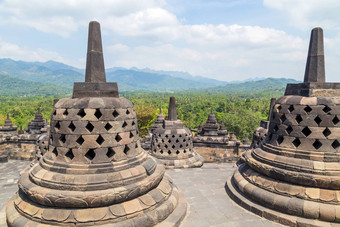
209, 204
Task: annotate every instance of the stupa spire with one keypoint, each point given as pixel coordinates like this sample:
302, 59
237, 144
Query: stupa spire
315, 66
95, 70
95, 84
172, 114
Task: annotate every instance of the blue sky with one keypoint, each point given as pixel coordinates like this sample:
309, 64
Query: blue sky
226, 40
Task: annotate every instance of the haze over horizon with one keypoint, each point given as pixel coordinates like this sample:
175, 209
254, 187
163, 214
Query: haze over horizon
225, 40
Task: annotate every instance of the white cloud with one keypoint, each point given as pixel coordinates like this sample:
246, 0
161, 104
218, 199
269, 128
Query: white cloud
148, 35
10, 50
63, 17
306, 14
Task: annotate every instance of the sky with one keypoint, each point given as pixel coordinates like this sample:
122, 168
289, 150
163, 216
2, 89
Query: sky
222, 39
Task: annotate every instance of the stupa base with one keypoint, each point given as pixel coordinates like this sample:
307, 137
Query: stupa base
272, 206
196, 161
162, 206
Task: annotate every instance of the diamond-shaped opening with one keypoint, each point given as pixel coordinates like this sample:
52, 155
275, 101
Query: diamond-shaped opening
335, 144
72, 126
124, 124
131, 135
177, 141
166, 146
133, 123
306, 131
100, 140
283, 118
335, 120
177, 152
136, 146
55, 112
173, 136
296, 142
184, 140
289, 129
291, 108
115, 113
80, 140
317, 120
62, 138
118, 138
298, 118
98, 114
185, 151
276, 128
308, 109
169, 152
169, 141
173, 146
89, 127
65, 113
81, 113
326, 132
126, 149
110, 152
279, 107
317, 144
69, 154
55, 152
161, 151
108, 126
57, 125
279, 139
127, 111
166, 136
90, 154
326, 109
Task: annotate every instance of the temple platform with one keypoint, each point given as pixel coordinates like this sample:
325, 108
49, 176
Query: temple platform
204, 189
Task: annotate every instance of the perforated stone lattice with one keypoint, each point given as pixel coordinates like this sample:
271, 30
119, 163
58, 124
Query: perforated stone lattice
88, 135
172, 145
310, 127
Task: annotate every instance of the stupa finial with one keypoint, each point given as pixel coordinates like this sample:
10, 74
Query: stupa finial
172, 114
95, 70
95, 84
315, 66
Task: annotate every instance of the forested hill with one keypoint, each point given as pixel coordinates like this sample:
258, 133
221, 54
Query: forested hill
269, 87
128, 79
19, 78
16, 87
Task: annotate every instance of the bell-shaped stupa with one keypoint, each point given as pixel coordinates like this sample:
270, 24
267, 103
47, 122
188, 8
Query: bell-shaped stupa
172, 143
95, 172
294, 176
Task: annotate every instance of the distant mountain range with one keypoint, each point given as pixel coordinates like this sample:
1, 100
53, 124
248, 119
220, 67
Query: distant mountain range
30, 78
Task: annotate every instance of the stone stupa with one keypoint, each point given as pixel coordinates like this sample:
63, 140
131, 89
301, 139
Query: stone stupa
8, 128
95, 172
159, 121
261, 132
294, 176
172, 143
37, 123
